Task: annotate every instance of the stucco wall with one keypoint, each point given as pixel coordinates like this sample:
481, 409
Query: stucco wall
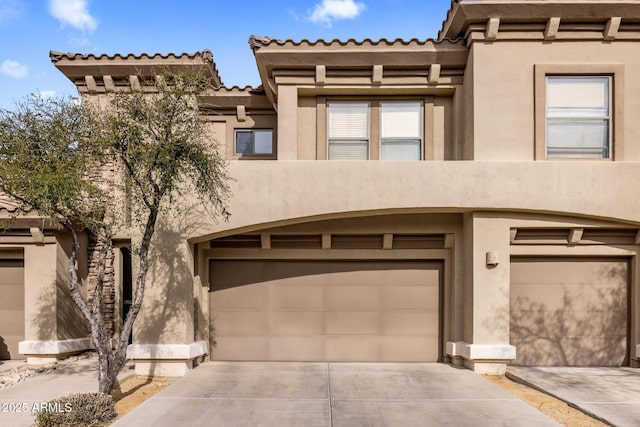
266, 192
503, 88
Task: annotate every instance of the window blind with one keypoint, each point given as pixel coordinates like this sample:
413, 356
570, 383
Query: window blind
348, 130
400, 120
578, 116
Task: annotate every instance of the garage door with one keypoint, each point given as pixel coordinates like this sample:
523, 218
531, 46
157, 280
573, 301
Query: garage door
11, 307
569, 311
325, 310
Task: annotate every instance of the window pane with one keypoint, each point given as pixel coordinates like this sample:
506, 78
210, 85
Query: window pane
348, 120
578, 138
578, 112
348, 150
263, 142
244, 142
400, 150
578, 93
401, 120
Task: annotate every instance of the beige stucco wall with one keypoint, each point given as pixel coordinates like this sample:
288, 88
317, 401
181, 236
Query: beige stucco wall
489, 315
503, 92
265, 192
50, 313
307, 128
69, 319
40, 283
167, 314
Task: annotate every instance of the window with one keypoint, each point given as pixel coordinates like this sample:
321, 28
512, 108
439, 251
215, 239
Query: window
254, 142
579, 111
348, 130
578, 117
388, 130
400, 130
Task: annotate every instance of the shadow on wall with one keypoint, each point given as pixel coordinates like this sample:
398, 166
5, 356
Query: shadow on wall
163, 311
582, 323
70, 321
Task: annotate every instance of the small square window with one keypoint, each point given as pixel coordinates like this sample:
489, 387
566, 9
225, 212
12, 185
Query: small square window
254, 142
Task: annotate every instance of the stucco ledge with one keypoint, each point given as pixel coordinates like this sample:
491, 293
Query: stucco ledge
45, 352
488, 359
166, 359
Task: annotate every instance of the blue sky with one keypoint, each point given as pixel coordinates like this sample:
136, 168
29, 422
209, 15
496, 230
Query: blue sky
29, 29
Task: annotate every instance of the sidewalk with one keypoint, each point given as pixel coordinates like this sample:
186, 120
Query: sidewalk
609, 394
17, 401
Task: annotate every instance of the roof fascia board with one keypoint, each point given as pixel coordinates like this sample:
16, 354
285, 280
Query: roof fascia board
466, 12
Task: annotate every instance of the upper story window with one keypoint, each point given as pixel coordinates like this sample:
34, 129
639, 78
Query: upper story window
400, 130
578, 117
250, 142
579, 111
348, 130
392, 129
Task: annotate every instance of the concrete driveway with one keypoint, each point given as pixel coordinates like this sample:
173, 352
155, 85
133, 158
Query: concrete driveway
610, 394
333, 394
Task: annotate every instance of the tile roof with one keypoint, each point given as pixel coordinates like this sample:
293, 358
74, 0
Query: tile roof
205, 55
6, 204
257, 42
57, 56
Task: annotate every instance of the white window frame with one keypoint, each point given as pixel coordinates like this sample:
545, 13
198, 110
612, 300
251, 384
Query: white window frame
419, 137
346, 140
573, 117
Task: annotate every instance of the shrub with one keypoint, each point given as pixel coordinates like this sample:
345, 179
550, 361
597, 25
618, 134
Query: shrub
80, 409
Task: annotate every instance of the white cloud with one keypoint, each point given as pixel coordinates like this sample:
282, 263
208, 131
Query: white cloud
14, 69
74, 13
11, 9
329, 10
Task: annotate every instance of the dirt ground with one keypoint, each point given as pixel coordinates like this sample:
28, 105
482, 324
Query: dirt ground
136, 389
550, 406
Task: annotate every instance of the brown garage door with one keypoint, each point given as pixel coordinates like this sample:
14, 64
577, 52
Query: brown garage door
325, 310
11, 307
569, 311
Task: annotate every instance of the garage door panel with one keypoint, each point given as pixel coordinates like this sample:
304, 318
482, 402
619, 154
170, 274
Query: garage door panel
349, 297
333, 311
410, 349
12, 297
241, 322
297, 323
564, 270
296, 348
352, 323
11, 307
410, 323
241, 347
569, 312
414, 297
249, 297
301, 296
